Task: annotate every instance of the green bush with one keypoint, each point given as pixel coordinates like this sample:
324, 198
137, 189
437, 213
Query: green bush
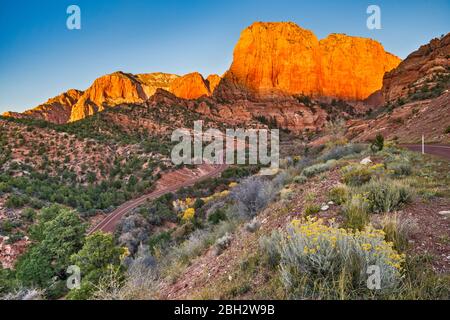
398, 230
301, 179
399, 169
447, 130
378, 143
311, 209
386, 195
340, 152
98, 256
356, 212
217, 216
6, 226
318, 168
28, 214
356, 175
339, 194
15, 201
159, 240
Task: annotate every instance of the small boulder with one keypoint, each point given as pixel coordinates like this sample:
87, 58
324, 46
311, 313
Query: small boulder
445, 213
366, 161
325, 207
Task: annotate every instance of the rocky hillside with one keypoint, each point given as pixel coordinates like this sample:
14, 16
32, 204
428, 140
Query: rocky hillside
417, 99
116, 89
274, 59
56, 110
421, 71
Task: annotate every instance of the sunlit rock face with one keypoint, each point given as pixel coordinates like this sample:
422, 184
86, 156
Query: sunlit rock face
56, 110
190, 86
109, 90
273, 59
353, 67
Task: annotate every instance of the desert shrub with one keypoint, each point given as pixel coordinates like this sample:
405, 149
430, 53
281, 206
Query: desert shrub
160, 240
421, 282
447, 130
318, 168
28, 214
217, 216
133, 230
270, 247
378, 143
223, 243
311, 209
197, 242
324, 262
140, 283
252, 226
98, 257
301, 179
386, 195
399, 169
6, 226
356, 212
398, 230
199, 203
8, 283
356, 175
339, 194
15, 201
25, 295
286, 193
340, 152
252, 195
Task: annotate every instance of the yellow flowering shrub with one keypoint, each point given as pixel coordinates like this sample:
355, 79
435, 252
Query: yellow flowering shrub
313, 252
232, 185
188, 214
181, 205
357, 174
216, 196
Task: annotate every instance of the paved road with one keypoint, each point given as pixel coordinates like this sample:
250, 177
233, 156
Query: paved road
437, 150
108, 224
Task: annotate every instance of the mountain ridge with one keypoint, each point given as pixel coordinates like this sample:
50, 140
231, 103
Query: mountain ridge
295, 66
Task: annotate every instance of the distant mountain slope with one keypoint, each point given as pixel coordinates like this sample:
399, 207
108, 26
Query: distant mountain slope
56, 110
417, 99
420, 72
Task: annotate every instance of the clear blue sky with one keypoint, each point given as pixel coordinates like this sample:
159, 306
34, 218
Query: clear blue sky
40, 57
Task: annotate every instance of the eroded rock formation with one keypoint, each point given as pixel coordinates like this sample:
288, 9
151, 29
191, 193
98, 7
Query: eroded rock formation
417, 69
273, 59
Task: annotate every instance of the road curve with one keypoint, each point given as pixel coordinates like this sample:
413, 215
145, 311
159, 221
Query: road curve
108, 224
437, 150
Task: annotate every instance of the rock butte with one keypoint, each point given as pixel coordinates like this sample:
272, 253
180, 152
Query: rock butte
282, 58
270, 60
